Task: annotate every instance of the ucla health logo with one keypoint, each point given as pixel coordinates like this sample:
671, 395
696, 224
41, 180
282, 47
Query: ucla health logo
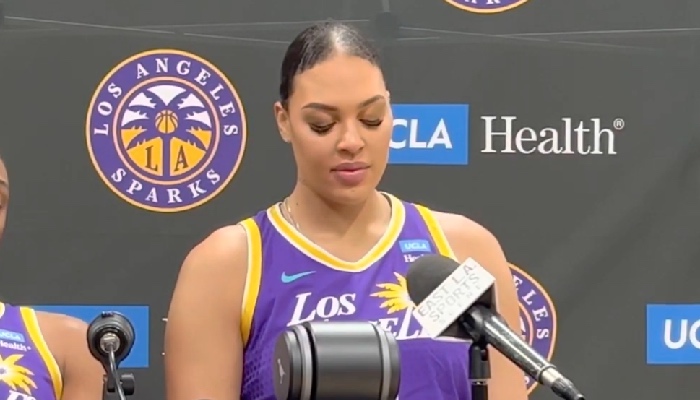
538, 318
673, 334
13, 340
486, 6
166, 130
431, 134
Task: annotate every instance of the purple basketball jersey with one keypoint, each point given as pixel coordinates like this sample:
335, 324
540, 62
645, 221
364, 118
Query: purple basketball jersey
291, 280
28, 371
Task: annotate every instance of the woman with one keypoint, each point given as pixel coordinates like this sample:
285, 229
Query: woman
329, 251
43, 356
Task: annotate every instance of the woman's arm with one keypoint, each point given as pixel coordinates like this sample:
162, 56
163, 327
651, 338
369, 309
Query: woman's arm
469, 239
203, 344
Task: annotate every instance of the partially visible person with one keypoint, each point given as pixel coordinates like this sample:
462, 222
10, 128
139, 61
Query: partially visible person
335, 249
43, 356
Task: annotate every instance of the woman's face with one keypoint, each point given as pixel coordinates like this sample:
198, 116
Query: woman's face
339, 124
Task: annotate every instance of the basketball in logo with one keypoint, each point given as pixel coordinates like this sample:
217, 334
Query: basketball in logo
538, 318
486, 6
166, 130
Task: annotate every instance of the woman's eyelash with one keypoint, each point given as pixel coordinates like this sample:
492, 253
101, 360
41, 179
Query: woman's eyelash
325, 128
373, 123
321, 128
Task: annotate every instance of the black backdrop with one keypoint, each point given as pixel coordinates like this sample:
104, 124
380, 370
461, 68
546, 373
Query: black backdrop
594, 230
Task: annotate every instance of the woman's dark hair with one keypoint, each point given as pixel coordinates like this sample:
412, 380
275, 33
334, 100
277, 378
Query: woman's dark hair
316, 44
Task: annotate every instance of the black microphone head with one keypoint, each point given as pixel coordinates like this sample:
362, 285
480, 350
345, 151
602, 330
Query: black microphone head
426, 273
110, 325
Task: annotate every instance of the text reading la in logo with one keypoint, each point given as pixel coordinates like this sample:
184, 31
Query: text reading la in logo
166, 130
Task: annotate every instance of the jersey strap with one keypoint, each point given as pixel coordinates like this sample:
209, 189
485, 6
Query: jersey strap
436, 232
31, 323
253, 277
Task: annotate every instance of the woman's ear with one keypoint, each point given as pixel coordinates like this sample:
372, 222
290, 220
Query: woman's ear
283, 123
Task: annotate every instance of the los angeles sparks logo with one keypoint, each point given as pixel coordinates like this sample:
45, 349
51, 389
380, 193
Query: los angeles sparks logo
538, 318
486, 6
166, 130
537, 313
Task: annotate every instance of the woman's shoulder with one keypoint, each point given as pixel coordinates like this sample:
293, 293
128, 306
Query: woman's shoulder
221, 256
462, 228
231, 240
469, 239
226, 242
61, 328
65, 337
62, 323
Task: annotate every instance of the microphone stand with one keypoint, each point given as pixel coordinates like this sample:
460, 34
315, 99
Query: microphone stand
116, 386
479, 369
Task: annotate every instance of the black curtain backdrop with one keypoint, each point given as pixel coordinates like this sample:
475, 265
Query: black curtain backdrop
603, 234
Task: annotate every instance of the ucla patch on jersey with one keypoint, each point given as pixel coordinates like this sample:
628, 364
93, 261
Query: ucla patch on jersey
11, 336
418, 245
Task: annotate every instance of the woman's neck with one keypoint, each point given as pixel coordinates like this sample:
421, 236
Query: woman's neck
310, 211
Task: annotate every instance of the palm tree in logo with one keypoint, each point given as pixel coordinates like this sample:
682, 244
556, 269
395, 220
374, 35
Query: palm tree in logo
171, 112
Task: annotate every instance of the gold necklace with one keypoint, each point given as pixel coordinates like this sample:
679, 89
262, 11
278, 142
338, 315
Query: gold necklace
290, 217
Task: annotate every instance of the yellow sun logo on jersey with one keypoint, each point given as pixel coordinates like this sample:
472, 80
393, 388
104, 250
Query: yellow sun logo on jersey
15, 376
395, 295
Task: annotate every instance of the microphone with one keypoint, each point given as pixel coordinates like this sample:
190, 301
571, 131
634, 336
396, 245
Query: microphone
110, 338
336, 360
458, 300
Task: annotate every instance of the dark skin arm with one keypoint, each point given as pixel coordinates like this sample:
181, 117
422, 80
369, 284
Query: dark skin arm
203, 344
469, 239
66, 337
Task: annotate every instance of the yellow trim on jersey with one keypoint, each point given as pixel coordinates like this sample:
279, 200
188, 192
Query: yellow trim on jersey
436, 232
315, 252
253, 277
34, 330
2, 309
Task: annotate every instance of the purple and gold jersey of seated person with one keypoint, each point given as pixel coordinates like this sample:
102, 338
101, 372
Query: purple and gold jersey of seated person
28, 371
291, 280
